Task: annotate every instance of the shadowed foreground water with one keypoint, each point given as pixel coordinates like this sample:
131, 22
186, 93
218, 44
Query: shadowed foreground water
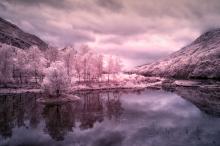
186, 117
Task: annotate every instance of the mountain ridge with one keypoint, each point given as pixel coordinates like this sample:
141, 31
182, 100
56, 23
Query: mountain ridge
200, 59
12, 35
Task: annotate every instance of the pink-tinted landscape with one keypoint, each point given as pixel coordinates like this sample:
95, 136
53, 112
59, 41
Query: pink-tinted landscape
109, 72
137, 31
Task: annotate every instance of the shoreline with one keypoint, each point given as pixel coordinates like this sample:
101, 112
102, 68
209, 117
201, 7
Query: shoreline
162, 84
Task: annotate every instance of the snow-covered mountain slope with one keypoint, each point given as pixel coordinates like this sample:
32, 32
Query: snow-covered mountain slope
200, 59
12, 35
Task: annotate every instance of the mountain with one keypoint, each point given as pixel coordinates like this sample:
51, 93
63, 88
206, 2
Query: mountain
13, 35
200, 59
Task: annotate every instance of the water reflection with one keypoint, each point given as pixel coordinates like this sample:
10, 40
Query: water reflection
91, 110
14, 109
141, 118
114, 106
59, 120
206, 99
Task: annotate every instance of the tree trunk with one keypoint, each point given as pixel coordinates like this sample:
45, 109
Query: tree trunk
35, 72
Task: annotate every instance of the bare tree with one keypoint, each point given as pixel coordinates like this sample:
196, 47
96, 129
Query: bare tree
69, 55
109, 67
100, 65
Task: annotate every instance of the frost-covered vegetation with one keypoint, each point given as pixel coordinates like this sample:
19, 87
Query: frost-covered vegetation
200, 59
21, 67
58, 71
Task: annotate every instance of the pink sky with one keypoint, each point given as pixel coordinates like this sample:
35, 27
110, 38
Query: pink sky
137, 31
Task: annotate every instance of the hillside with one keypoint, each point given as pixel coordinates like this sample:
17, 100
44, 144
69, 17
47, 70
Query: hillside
13, 35
200, 59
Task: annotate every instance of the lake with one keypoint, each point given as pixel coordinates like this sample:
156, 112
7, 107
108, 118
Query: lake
184, 117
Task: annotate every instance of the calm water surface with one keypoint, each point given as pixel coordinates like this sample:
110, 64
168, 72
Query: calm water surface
186, 117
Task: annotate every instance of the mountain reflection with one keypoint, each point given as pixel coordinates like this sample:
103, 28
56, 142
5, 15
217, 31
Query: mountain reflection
206, 99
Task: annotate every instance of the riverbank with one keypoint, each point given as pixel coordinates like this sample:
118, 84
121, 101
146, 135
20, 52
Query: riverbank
130, 82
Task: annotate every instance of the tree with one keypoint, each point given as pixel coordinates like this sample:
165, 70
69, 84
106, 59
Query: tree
113, 66
100, 65
95, 66
78, 66
84, 52
109, 66
52, 54
56, 81
21, 64
69, 55
117, 66
37, 62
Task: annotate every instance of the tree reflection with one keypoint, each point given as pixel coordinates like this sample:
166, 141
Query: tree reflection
22, 110
91, 110
94, 108
114, 107
14, 110
6, 116
35, 114
59, 120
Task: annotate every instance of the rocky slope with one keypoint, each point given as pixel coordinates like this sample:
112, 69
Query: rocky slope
200, 59
12, 35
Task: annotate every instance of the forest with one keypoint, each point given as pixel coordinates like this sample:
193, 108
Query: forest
55, 70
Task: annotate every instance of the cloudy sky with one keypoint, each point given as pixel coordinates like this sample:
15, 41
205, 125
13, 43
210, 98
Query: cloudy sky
139, 31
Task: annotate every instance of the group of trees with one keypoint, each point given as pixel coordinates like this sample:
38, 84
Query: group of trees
56, 69
19, 66
82, 65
